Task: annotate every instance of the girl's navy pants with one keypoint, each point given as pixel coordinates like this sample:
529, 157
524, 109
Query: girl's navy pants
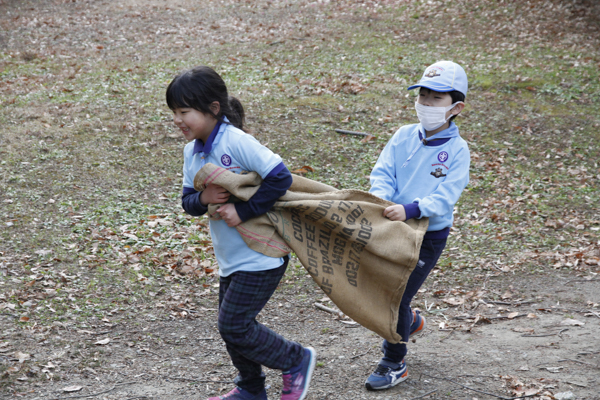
242, 295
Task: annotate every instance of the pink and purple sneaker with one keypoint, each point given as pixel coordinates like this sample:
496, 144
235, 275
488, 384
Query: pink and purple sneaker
297, 379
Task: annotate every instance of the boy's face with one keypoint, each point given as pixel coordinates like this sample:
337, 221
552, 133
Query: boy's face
194, 124
430, 98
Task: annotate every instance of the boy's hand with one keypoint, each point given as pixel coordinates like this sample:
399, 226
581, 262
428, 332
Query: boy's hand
214, 194
395, 212
229, 214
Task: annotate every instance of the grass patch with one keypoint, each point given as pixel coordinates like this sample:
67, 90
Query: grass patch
90, 164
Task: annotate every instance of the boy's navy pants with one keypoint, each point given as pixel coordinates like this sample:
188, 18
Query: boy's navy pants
242, 295
431, 249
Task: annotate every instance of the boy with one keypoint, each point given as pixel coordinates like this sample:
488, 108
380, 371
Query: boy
423, 169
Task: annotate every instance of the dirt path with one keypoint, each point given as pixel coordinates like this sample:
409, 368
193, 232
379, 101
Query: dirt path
548, 345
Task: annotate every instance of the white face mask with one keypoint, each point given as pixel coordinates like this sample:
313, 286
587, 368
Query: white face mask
433, 117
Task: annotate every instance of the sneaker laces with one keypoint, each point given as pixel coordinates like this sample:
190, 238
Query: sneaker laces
381, 369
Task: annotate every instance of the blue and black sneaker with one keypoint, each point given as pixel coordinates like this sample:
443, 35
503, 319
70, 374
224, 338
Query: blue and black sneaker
386, 375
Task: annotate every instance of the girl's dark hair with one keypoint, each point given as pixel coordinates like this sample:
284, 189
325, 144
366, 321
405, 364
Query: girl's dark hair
456, 96
198, 88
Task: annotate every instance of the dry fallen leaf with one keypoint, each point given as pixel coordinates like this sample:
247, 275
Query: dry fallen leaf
103, 341
512, 315
531, 392
22, 357
72, 389
185, 269
13, 369
367, 139
480, 319
304, 169
572, 322
50, 365
453, 301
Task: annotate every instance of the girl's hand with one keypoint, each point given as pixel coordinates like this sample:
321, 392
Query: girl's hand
229, 214
214, 194
395, 212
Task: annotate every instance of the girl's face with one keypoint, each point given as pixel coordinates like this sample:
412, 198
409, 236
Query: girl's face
194, 124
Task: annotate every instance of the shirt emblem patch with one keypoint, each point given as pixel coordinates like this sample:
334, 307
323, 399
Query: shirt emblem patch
438, 173
226, 160
443, 156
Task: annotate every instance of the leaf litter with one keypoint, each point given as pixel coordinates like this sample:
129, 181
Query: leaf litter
105, 249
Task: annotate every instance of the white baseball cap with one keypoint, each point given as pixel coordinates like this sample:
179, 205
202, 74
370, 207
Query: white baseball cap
444, 76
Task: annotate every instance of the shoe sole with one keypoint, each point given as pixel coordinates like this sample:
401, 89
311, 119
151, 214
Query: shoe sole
311, 368
400, 380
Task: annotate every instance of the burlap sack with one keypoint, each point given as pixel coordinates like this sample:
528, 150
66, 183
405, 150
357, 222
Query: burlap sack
359, 258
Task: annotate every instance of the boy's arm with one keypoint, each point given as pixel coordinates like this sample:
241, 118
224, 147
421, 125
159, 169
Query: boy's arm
273, 186
383, 176
402, 212
412, 210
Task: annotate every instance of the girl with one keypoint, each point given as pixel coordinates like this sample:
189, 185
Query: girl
213, 123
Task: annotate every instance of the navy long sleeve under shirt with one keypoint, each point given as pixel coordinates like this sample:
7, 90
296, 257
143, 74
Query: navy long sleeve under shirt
273, 186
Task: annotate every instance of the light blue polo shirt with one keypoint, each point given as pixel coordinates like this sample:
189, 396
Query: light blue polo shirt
434, 178
236, 151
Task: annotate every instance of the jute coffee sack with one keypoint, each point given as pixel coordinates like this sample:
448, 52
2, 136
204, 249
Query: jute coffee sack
359, 258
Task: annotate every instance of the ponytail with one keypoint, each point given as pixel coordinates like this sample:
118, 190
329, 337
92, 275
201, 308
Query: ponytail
198, 88
235, 112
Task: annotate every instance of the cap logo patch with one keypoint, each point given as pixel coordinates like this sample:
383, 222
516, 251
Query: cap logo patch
226, 160
433, 72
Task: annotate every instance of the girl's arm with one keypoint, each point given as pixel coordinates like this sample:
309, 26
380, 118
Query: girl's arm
196, 203
273, 186
190, 201
191, 198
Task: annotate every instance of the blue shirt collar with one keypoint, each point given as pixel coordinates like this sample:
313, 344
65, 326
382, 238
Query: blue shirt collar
442, 137
206, 148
